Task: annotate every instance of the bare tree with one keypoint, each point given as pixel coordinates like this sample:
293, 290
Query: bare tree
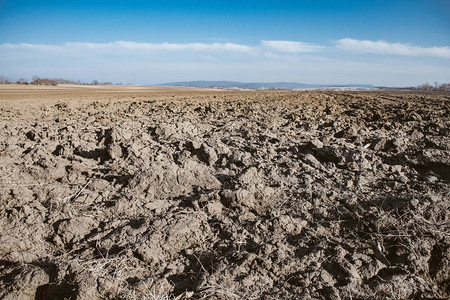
436, 87
22, 81
444, 87
4, 79
425, 87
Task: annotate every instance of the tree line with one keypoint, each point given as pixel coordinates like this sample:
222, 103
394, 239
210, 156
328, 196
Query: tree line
36, 80
436, 87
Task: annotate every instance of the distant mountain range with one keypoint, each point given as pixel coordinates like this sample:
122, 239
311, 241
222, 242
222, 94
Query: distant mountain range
261, 85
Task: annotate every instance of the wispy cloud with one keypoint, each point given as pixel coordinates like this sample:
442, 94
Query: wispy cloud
381, 47
292, 46
28, 46
274, 46
129, 45
266, 48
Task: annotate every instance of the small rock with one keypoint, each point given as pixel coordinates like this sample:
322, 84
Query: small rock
346, 133
399, 143
250, 176
195, 143
115, 151
431, 179
26, 210
416, 135
227, 197
208, 154
243, 197
214, 208
31, 135
90, 119
381, 144
316, 143
312, 161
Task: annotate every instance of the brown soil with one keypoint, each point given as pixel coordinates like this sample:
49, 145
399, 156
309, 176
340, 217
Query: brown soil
152, 192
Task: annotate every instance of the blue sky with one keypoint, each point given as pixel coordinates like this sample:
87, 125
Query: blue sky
382, 42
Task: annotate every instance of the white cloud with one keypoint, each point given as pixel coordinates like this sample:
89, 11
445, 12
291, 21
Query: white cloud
381, 47
28, 46
292, 47
268, 49
129, 45
277, 46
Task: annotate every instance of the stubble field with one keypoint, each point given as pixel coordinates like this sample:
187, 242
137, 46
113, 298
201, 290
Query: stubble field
161, 193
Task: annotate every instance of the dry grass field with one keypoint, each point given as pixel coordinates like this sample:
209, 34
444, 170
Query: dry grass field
129, 192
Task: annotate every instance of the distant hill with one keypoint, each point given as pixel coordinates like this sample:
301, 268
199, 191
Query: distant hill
260, 85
